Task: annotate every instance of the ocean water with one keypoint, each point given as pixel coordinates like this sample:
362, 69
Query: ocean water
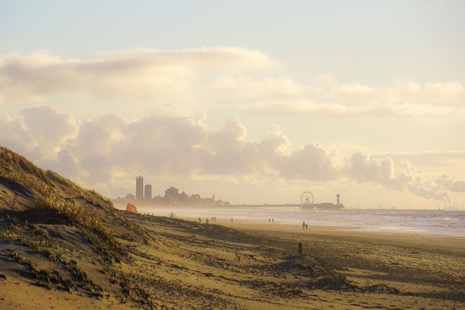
430, 222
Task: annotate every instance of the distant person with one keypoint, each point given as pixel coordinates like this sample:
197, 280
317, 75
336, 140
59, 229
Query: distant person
200, 220
306, 226
269, 221
272, 220
303, 225
207, 221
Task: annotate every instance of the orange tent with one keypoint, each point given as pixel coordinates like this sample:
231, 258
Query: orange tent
131, 208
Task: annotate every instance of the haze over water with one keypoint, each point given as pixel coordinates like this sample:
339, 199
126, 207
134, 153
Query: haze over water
426, 222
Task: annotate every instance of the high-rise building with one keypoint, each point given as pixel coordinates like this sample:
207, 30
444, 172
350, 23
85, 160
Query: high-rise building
139, 187
148, 191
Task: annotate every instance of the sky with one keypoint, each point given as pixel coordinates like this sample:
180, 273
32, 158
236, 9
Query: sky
251, 101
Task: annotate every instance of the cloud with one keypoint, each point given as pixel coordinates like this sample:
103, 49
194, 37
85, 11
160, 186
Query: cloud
385, 111
48, 127
438, 92
39, 130
141, 75
400, 176
312, 162
102, 151
250, 86
327, 97
190, 80
209, 58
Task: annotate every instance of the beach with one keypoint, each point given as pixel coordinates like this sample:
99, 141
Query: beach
257, 266
245, 265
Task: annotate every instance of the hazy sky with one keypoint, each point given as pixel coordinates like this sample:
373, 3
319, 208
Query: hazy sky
253, 101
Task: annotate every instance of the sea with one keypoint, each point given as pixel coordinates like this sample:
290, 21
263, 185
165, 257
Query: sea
428, 222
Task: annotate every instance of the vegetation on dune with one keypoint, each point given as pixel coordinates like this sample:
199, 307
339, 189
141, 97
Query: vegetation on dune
53, 205
54, 201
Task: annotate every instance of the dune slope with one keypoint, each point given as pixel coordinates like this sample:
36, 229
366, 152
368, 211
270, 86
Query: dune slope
60, 237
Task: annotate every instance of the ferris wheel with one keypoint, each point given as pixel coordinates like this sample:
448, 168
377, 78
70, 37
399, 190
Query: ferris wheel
307, 198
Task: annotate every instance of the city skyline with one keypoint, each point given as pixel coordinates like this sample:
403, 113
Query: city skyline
172, 196
256, 102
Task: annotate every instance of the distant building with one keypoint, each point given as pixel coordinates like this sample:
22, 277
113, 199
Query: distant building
144, 196
172, 195
139, 187
208, 201
148, 191
196, 199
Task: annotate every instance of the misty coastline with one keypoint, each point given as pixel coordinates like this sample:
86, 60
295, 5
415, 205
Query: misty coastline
420, 222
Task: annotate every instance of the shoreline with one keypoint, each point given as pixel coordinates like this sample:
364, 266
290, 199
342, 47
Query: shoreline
251, 225
419, 222
341, 231
121, 204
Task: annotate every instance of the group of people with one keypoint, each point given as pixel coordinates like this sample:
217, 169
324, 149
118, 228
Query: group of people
270, 221
207, 220
304, 226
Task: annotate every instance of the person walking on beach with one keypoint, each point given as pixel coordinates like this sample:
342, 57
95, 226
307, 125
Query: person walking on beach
303, 225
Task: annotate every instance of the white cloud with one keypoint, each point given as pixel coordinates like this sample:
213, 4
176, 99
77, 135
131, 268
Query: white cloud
363, 168
440, 92
250, 86
374, 110
192, 79
327, 97
401, 176
41, 131
104, 150
208, 58
138, 74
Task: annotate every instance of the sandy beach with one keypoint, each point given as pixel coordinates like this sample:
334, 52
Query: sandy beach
244, 265
256, 266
